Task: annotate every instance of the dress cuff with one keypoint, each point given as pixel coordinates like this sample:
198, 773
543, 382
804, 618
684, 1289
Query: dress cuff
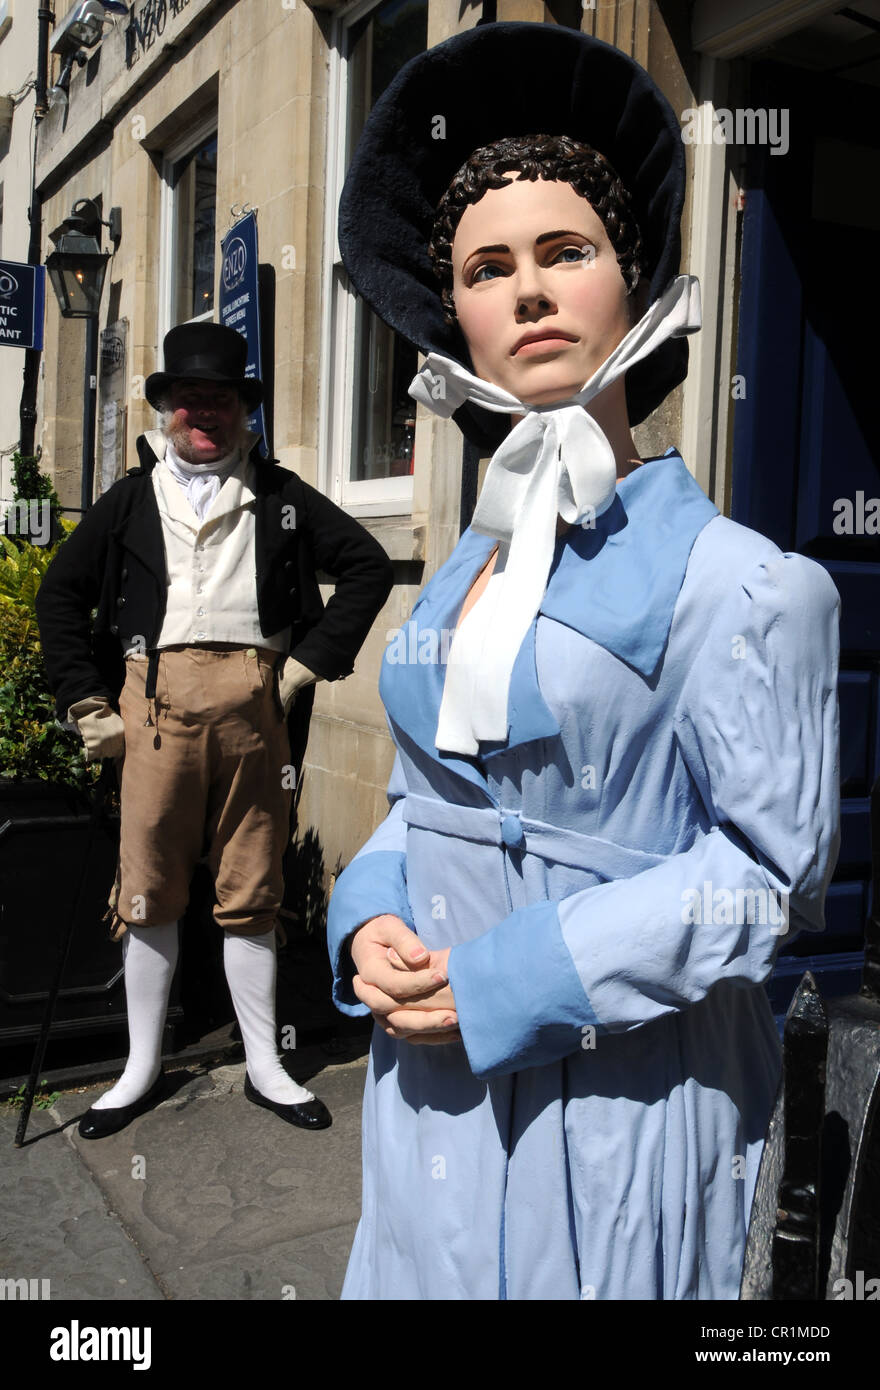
518, 996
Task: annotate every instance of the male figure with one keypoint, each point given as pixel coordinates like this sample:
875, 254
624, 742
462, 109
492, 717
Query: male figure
201, 565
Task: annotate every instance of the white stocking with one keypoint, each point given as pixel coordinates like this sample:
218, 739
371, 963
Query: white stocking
150, 955
249, 962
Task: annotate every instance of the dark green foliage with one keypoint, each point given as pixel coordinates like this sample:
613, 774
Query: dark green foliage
30, 483
31, 743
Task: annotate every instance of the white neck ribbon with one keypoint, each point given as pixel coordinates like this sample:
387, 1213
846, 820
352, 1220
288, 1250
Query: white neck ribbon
200, 482
555, 461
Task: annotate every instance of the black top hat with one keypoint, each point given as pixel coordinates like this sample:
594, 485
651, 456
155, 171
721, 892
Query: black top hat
494, 81
205, 352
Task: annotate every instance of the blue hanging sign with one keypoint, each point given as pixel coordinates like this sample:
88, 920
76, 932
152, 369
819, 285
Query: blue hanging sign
22, 300
239, 303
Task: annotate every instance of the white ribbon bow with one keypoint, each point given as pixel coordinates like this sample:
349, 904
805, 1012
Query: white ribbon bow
556, 460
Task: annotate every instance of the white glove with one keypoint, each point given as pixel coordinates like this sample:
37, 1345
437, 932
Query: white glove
100, 727
294, 676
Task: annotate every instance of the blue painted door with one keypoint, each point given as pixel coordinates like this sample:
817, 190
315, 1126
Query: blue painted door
805, 442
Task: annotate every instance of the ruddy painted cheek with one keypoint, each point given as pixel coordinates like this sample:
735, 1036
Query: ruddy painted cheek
477, 331
484, 307
479, 336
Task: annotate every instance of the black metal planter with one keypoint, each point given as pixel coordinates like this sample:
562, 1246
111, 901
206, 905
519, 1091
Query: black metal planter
47, 844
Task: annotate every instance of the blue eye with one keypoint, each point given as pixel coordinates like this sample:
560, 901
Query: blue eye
581, 253
571, 254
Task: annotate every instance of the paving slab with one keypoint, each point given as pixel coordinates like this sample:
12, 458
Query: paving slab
307, 1268
220, 1198
56, 1223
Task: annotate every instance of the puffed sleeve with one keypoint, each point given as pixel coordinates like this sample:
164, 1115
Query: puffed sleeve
374, 883
757, 723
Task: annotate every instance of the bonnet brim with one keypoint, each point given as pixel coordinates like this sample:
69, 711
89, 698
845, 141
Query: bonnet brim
493, 81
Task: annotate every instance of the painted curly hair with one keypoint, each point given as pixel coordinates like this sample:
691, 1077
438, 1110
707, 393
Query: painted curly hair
537, 156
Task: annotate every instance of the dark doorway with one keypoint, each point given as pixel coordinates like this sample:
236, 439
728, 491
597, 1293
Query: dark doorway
805, 455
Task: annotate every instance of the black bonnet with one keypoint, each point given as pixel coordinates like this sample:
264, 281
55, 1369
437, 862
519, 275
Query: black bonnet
494, 81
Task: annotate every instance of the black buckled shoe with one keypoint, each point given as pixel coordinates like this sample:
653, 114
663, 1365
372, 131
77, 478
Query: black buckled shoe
311, 1114
98, 1124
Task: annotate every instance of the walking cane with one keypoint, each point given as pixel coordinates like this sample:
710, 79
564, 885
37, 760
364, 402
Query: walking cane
99, 796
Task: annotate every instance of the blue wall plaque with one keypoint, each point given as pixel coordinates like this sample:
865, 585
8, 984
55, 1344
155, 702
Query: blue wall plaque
22, 300
239, 302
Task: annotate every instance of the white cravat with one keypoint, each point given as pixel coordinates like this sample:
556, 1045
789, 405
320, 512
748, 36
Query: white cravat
200, 481
556, 460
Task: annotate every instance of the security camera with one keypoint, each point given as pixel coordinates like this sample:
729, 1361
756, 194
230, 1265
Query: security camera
81, 28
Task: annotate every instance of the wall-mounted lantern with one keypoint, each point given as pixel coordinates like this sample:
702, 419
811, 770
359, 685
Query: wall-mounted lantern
77, 265
77, 268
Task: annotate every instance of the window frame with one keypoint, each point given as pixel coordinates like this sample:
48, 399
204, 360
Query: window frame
371, 497
168, 257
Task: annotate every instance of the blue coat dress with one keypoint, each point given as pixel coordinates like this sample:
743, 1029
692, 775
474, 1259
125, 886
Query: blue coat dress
614, 881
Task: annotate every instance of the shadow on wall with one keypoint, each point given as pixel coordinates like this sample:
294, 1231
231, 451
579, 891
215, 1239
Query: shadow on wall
306, 885
304, 999
305, 980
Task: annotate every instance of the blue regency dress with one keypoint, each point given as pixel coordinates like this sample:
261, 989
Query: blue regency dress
614, 881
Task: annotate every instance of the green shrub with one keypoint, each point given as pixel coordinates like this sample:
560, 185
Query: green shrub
28, 482
32, 745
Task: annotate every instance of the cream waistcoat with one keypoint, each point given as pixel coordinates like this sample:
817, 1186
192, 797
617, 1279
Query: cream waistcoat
211, 564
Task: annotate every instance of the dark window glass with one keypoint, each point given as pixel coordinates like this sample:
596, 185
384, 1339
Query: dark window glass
385, 364
195, 213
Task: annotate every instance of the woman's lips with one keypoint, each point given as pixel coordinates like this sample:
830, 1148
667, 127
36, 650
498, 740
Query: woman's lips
533, 346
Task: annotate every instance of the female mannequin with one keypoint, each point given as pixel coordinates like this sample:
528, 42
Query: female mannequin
608, 804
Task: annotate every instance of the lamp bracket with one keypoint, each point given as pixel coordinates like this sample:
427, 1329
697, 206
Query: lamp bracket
85, 218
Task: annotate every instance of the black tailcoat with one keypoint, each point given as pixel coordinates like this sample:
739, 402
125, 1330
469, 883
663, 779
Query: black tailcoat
108, 585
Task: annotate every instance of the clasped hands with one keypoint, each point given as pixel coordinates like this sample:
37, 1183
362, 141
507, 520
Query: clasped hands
405, 986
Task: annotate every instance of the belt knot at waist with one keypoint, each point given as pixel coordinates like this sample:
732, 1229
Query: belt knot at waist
490, 825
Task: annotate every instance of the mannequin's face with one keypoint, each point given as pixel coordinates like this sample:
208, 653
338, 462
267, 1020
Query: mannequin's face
207, 419
534, 258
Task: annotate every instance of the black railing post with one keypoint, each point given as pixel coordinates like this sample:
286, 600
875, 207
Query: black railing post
796, 1237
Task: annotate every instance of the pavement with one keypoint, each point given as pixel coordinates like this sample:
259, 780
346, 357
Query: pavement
205, 1197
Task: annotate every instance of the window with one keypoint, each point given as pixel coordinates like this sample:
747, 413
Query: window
368, 419
189, 222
